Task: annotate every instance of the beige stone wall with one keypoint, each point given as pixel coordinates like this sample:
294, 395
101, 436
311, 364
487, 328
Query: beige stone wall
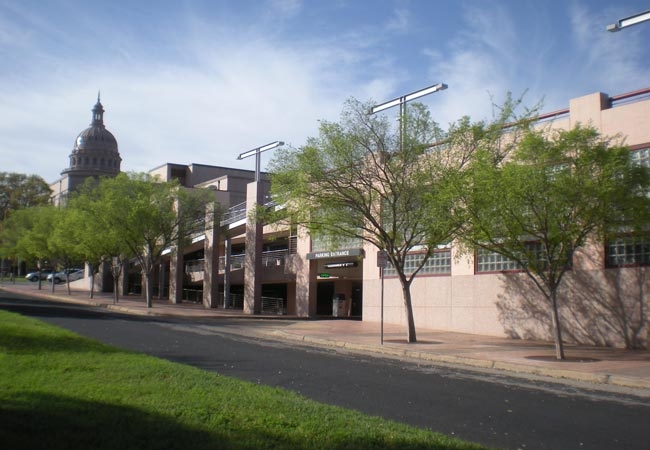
508, 304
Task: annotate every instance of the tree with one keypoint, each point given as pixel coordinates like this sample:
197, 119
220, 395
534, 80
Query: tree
148, 217
362, 179
97, 240
63, 243
26, 232
546, 198
18, 191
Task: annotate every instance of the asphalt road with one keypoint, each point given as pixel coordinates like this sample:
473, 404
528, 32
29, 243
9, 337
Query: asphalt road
498, 411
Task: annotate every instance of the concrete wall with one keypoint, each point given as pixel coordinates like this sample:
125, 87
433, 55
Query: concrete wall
508, 304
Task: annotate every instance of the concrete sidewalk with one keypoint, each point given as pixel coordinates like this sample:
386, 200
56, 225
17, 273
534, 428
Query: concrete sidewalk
603, 367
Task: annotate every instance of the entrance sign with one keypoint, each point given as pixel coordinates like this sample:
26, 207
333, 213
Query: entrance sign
336, 253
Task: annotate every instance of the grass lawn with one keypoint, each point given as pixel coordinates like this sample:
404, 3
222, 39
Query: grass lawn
62, 391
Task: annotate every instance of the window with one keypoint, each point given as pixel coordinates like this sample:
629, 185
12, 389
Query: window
490, 261
628, 251
641, 157
323, 242
438, 264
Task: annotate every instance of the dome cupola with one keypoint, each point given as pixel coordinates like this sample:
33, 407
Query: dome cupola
95, 150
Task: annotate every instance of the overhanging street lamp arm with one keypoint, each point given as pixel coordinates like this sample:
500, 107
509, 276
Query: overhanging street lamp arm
256, 152
408, 97
629, 21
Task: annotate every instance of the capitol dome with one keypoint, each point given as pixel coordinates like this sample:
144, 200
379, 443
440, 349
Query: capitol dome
95, 150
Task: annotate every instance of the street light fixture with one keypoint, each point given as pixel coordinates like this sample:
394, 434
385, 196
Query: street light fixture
401, 101
256, 152
254, 239
405, 98
629, 21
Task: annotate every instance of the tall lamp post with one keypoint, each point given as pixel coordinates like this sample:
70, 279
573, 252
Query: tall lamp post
629, 21
254, 235
257, 152
382, 257
401, 101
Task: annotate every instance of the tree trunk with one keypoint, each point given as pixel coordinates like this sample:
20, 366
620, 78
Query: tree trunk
92, 283
148, 289
557, 328
406, 292
116, 288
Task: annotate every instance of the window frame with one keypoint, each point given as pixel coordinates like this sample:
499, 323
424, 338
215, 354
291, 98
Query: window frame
390, 272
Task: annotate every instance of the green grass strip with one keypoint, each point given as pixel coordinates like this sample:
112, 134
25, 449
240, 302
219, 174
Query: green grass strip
59, 390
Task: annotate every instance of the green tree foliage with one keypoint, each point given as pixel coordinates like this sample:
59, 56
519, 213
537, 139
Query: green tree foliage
26, 235
363, 179
18, 191
97, 240
145, 215
543, 199
63, 241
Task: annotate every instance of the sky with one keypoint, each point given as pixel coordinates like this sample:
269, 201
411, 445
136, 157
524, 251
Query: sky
186, 81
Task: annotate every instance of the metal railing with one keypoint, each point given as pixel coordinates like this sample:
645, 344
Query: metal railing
196, 265
234, 214
273, 305
193, 295
275, 258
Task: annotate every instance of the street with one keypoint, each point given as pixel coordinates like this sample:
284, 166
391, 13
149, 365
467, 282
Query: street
495, 410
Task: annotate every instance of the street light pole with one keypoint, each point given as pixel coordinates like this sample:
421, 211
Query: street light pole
382, 257
629, 21
401, 101
254, 234
257, 152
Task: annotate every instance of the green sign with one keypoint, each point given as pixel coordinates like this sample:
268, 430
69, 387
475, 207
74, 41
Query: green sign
324, 275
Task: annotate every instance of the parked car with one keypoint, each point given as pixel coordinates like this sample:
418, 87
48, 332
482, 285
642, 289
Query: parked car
33, 276
60, 277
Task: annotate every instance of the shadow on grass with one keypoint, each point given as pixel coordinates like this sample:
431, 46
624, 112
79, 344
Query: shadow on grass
41, 421
15, 343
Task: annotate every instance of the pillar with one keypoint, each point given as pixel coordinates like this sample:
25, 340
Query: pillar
211, 258
306, 276
176, 272
227, 301
253, 256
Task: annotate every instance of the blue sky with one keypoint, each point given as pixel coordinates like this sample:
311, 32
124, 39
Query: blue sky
203, 81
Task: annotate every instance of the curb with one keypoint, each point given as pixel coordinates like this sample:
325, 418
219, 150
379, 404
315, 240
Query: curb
602, 379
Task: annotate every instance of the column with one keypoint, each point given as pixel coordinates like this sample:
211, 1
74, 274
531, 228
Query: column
211, 257
253, 256
176, 272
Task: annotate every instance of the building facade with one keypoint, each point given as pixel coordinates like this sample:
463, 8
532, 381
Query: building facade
278, 269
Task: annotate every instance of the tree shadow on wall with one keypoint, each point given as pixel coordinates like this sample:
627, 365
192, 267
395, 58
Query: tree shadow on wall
602, 308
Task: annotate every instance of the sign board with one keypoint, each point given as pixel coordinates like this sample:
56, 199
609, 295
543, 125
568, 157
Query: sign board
382, 259
323, 275
341, 265
336, 253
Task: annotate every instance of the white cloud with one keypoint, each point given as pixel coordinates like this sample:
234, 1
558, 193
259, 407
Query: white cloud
609, 59
241, 94
198, 88
400, 21
287, 8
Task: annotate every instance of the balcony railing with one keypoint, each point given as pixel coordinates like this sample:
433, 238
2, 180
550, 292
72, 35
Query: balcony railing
275, 258
234, 214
